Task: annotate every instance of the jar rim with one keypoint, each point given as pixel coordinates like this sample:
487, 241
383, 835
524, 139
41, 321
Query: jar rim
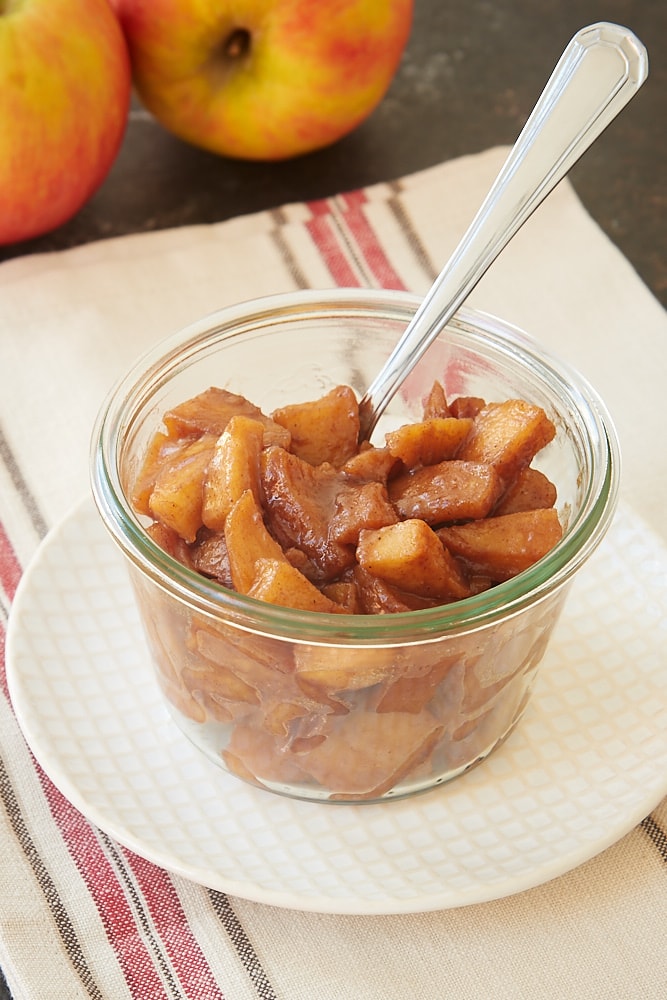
503, 600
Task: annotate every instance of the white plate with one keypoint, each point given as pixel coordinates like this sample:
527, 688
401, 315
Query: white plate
585, 765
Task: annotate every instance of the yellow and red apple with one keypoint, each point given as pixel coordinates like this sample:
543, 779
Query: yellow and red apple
65, 90
263, 79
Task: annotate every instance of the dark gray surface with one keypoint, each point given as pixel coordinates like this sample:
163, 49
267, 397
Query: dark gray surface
469, 78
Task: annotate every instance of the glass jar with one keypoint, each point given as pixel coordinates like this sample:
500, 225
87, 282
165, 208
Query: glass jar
333, 707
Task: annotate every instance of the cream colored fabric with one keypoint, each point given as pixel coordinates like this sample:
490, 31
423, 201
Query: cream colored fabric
70, 324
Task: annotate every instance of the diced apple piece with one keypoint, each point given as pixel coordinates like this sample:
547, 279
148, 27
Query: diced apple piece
300, 561
428, 442
409, 555
364, 755
262, 662
177, 496
346, 594
298, 500
181, 699
372, 464
466, 406
435, 404
503, 546
160, 449
335, 669
530, 490
234, 669
171, 542
248, 541
449, 491
233, 469
507, 436
209, 556
166, 642
278, 582
412, 694
323, 702
324, 430
211, 411
377, 597
279, 714
219, 682
363, 506
256, 756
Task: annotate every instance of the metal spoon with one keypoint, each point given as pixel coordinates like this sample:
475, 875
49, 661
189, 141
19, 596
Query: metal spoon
601, 69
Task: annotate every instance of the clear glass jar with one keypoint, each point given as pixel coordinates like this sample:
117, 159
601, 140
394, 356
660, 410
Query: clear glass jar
350, 707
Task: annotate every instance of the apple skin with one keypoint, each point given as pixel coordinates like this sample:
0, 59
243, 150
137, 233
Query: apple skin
263, 79
65, 84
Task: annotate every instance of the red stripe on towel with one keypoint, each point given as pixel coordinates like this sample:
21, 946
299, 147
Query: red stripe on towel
328, 244
3, 672
10, 568
368, 242
128, 935
186, 957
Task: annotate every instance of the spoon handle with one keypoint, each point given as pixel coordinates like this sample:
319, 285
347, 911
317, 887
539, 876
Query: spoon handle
599, 72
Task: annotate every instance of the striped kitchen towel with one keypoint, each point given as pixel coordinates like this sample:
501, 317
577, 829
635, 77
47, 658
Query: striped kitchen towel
82, 916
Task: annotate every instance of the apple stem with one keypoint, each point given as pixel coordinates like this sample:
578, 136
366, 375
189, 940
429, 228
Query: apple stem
238, 43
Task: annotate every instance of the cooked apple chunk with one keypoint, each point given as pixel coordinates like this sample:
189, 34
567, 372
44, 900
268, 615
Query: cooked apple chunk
233, 469
366, 754
324, 430
160, 449
372, 464
177, 496
298, 501
507, 436
449, 491
278, 582
428, 442
378, 597
409, 555
435, 404
359, 506
412, 693
248, 541
530, 490
218, 681
506, 545
466, 406
171, 542
332, 668
257, 756
211, 411
209, 556
345, 593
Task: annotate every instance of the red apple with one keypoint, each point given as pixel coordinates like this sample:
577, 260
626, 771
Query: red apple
263, 79
65, 91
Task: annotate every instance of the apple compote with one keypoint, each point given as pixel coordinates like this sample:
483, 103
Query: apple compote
290, 509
